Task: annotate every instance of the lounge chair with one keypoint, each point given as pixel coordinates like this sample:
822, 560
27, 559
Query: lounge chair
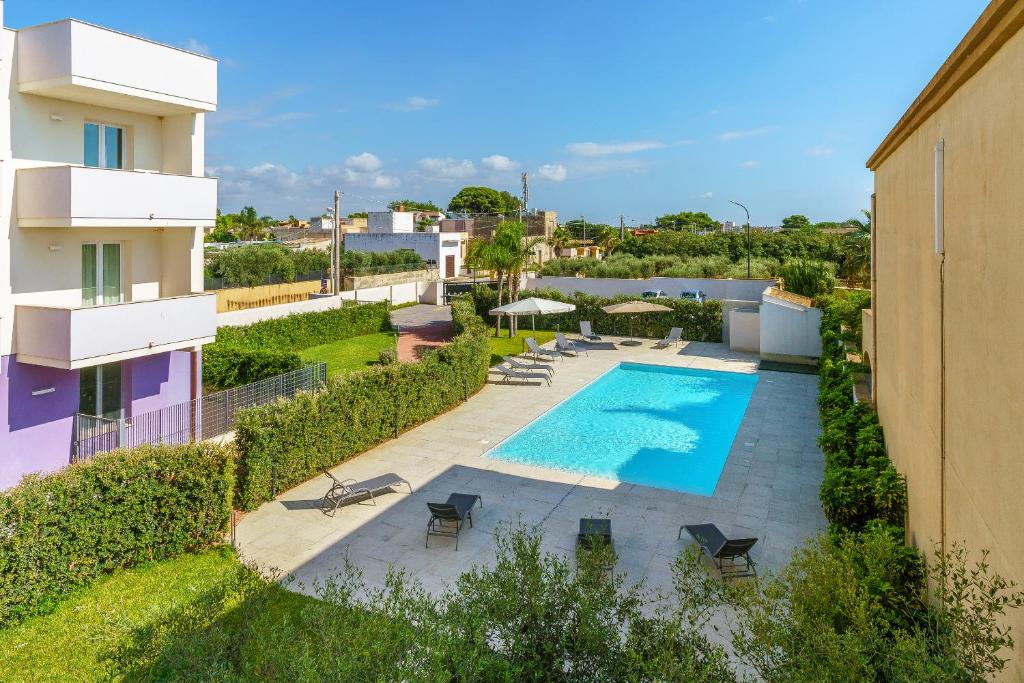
519, 365
508, 374
674, 337
587, 332
725, 553
538, 352
563, 345
446, 519
350, 490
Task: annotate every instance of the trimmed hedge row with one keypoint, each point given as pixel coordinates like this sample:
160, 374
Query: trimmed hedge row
700, 322
287, 442
123, 508
253, 352
860, 486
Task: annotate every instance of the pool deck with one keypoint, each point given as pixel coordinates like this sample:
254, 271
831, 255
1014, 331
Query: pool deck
768, 488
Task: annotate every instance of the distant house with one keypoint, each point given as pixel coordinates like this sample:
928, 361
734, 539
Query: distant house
394, 230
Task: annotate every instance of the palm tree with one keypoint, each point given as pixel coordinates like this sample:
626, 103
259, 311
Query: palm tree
560, 239
250, 227
607, 240
494, 255
857, 248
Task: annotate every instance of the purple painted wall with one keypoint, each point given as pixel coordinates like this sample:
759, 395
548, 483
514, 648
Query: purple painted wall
36, 431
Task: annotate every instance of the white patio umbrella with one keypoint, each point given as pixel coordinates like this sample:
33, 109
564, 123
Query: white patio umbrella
633, 308
532, 306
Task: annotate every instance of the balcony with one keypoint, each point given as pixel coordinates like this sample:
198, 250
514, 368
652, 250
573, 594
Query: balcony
73, 338
76, 61
80, 197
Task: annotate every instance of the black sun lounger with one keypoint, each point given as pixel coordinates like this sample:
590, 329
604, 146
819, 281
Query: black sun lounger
350, 490
730, 556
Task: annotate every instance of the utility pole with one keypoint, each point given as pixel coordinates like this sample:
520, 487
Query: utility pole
584, 228
524, 209
336, 247
622, 227
748, 234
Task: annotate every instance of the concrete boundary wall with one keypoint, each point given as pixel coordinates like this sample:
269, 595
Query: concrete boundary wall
740, 290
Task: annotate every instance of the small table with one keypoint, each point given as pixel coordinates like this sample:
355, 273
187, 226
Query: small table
594, 532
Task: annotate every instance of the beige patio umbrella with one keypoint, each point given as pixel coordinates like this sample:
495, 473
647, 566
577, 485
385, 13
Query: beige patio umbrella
633, 308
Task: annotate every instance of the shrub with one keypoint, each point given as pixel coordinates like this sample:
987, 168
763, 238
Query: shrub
226, 366
286, 443
256, 264
387, 356
807, 277
123, 508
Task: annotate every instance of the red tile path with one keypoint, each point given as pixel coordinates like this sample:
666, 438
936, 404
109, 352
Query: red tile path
421, 328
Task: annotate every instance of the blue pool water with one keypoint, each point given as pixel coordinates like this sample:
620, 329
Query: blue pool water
671, 428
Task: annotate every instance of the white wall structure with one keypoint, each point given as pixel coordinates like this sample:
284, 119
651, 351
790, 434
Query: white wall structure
744, 330
742, 290
443, 248
789, 327
390, 222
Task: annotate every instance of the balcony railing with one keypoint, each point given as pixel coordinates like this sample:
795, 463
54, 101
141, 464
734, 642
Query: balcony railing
83, 197
82, 337
80, 62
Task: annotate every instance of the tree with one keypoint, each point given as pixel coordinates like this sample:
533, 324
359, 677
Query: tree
358, 214
857, 248
478, 199
249, 225
607, 238
576, 228
413, 205
796, 222
560, 239
808, 277
694, 221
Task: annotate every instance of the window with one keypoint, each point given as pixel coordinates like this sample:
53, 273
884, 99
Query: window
99, 391
101, 273
104, 146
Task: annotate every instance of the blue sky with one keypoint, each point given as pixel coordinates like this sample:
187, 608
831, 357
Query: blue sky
638, 108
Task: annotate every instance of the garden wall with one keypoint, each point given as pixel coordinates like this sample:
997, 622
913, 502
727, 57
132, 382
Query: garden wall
743, 290
242, 298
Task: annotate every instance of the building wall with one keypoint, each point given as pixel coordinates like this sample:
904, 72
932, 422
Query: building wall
430, 246
789, 332
390, 221
961, 334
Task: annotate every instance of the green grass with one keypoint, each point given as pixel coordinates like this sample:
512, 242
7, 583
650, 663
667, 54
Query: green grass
505, 346
348, 355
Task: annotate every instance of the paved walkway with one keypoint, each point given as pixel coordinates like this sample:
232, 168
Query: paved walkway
421, 327
768, 489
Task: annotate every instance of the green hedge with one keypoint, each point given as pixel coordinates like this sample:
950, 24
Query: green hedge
285, 443
700, 322
250, 353
123, 508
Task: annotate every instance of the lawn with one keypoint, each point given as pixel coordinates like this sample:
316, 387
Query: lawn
348, 355
506, 346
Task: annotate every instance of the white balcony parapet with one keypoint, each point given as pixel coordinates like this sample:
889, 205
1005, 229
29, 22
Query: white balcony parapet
81, 197
73, 338
76, 61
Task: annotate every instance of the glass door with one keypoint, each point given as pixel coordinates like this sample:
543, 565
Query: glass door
101, 273
104, 146
99, 391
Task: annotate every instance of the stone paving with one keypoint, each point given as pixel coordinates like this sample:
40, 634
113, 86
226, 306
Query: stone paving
768, 489
421, 327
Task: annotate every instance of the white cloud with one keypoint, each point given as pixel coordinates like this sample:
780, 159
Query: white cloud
750, 164
283, 117
601, 149
707, 195
819, 151
498, 162
193, 45
687, 141
446, 168
554, 172
731, 135
364, 162
414, 103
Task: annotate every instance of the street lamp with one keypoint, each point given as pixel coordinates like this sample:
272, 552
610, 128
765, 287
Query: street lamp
748, 234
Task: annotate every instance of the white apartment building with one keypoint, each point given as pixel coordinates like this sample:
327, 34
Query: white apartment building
103, 203
394, 230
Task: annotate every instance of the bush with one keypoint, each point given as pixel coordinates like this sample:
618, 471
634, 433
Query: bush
123, 508
387, 356
256, 264
286, 443
253, 352
809, 278
700, 322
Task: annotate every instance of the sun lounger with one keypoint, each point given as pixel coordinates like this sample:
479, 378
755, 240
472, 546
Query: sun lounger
587, 332
563, 345
350, 490
446, 519
519, 365
538, 352
508, 374
674, 337
730, 556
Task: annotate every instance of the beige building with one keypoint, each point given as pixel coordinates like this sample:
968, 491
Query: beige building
944, 339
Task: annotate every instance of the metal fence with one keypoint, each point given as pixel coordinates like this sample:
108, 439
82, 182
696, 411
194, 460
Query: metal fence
202, 418
214, 283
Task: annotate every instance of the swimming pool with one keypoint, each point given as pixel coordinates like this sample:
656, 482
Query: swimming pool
671, 428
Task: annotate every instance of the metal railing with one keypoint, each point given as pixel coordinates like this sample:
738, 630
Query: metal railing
214, 283
202, 418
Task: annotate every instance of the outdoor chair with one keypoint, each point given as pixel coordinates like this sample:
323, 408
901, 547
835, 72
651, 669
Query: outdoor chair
508, 374
350, 490
538, 352
730, 556
446, 519
519, 365
563, 345
674, 337
587, 332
